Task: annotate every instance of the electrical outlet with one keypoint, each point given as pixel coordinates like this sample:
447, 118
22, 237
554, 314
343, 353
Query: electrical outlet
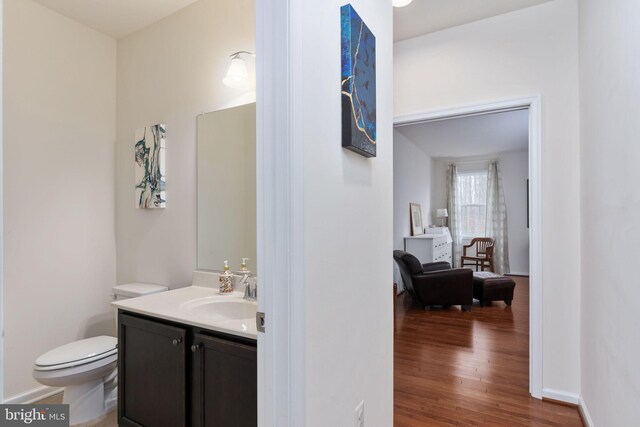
360, 414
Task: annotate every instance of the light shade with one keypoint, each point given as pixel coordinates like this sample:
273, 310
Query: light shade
401, 3
237, 76
442, 213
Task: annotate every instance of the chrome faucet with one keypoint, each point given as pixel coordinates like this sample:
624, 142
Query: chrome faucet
250, 282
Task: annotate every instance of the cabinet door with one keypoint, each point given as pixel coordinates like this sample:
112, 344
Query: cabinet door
151, 373
225, 383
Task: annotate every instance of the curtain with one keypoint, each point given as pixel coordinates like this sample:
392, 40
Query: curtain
453, 206
496, 222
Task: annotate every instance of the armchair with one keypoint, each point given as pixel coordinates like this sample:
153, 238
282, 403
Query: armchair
435, 283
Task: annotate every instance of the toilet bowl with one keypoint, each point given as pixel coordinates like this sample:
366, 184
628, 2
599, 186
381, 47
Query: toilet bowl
87, 369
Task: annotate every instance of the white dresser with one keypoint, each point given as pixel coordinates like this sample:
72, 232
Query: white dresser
430, 247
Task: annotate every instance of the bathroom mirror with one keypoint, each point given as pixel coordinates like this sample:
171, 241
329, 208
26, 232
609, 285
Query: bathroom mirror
227, 188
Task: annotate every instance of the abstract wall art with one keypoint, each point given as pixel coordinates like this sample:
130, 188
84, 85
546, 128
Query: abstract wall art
358, 84
150, 167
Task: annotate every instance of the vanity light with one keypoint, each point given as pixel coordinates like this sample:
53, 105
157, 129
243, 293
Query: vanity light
237, 76
401, 3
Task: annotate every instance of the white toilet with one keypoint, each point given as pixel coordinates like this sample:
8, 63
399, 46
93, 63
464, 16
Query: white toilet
87, 369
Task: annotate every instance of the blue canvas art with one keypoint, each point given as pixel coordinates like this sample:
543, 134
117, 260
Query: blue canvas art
358, 84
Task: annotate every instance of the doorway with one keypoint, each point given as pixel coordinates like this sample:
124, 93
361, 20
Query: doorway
532, 107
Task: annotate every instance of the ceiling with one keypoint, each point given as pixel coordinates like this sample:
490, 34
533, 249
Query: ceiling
116, 18
471, 136
427, 16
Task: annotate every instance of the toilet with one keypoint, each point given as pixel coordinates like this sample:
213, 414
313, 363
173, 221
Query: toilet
87, 369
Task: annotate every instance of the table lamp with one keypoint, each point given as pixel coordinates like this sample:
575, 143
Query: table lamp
442, 214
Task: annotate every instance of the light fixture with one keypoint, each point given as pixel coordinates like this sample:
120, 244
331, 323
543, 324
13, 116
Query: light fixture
401, 3
237, 76
442, 214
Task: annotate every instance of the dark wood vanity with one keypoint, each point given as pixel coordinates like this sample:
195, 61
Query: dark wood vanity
177, 375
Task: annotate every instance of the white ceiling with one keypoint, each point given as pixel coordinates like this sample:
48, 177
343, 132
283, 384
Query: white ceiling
119, 18
426, 16
471, 136
116, 18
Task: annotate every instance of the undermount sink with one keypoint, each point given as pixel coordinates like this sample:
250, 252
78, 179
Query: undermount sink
222, 310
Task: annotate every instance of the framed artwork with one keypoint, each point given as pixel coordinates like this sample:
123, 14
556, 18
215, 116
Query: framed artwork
149, 164
417, 228
358, 79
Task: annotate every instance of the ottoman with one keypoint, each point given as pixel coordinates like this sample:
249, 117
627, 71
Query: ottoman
489, 287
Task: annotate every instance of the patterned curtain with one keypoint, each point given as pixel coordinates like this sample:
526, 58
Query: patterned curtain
453, 206
496, 225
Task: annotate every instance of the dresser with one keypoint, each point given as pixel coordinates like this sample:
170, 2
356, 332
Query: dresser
430, 247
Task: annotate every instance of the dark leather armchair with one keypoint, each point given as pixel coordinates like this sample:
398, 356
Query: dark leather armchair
435, 283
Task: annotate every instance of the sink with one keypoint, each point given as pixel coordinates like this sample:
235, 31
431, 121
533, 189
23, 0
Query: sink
222, 310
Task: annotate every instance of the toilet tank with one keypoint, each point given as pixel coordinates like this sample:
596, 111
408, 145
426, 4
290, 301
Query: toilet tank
133, 290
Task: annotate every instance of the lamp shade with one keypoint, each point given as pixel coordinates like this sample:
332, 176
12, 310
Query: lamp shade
401, 3
442, 213
237, 76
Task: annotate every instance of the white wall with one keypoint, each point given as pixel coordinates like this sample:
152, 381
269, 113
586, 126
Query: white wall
59, 130
348, 232
411, 184
169, 73
514, 170
520, 54
609, 90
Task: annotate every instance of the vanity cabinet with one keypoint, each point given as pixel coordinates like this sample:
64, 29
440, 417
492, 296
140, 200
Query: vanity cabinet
225, 391
177, 375
152, 361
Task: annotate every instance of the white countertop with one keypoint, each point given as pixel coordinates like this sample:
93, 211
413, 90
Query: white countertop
174, 306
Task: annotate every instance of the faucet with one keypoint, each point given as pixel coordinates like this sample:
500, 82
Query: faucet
250, 283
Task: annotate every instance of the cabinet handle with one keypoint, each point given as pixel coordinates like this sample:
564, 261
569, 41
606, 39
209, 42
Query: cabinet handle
176, 341
195, 347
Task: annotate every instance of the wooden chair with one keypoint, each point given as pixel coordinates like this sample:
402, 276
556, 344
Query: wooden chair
483, 258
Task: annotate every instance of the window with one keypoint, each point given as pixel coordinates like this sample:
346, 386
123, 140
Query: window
472, 193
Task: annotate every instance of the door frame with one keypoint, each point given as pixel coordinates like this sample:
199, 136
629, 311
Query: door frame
1, 204
280, 251
534, 105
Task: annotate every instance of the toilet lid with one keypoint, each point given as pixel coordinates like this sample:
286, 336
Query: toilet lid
78, 353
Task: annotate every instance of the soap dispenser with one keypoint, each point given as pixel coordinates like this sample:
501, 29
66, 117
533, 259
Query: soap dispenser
243, 267
244, 273
226, 280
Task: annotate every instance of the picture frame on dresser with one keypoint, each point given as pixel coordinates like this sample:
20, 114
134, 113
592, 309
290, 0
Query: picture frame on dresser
417, 229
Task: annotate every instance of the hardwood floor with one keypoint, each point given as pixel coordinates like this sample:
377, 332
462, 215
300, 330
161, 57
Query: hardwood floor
468, 369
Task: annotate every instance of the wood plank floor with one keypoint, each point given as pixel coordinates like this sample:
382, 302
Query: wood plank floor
468, 369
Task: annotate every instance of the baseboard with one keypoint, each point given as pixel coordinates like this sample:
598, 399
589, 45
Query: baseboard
584, 413
517, 274
33, 395
561, 396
